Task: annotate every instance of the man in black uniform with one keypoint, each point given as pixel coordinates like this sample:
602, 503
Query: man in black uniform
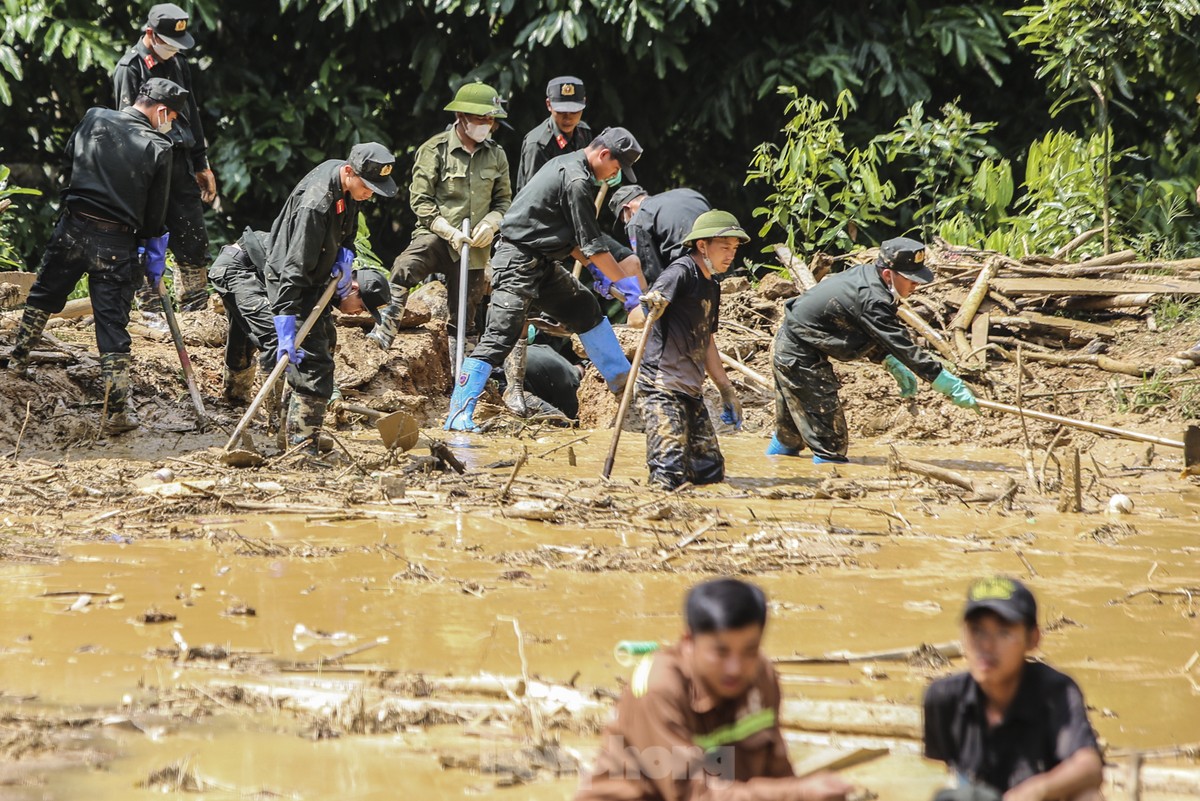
849, 316
1007, 726
312, 241
551, 218
237, 276
563, 132
657, 224
157, 55
119, 178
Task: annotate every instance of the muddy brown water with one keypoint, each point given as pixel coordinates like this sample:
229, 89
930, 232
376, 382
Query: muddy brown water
899, 585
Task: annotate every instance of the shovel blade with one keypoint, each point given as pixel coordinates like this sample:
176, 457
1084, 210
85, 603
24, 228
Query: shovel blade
398, 430
1191, 451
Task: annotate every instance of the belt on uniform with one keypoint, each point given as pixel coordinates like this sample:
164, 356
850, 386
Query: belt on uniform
100, 224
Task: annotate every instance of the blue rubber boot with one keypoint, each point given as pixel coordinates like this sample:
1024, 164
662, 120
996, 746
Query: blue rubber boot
777, 448
605, 352
467, 390
830, 459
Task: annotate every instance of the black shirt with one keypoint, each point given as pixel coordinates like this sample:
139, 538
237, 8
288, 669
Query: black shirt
556, 211
139, 65
546, 142
657, 228
852, 315
317, 219
675, 352
1045, 724
120, 170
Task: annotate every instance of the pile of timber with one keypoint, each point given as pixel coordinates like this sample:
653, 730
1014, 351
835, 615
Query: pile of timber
1053, 309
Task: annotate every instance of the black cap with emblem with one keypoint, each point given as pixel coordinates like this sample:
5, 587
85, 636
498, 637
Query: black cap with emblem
170, 22
1006, 597
169, 93
566, 94
624, 148
374, 164
905, 256
623, 197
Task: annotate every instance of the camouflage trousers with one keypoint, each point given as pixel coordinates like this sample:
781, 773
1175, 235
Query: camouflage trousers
681, 444
808, 410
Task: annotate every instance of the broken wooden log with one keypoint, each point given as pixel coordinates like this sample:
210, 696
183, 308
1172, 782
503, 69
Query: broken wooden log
802, 277
1091, 359
756, 378
899, 464
945, 650
966, 313
915, 321
1065, 251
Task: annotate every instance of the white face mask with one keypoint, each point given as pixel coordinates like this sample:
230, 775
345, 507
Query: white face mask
477, 132
165, 123
895, 292
164, 51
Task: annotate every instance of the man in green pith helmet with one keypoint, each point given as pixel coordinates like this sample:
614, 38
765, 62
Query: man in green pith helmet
460, 173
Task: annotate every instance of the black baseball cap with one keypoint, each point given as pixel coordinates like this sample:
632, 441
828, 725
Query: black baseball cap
374, 164
374, 289
624, 195
1007, 597
566, 93
170, 22
624, 148
905, 256
169, 93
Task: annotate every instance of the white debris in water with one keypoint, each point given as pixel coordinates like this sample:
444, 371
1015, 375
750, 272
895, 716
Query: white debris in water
1120, 504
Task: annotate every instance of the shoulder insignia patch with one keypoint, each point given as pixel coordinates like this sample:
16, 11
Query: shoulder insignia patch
149, 61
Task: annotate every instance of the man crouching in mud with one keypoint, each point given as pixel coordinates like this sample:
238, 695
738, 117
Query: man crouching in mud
700, 720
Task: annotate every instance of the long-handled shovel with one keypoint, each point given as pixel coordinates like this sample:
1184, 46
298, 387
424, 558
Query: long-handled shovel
177, 335
396, 429
464, 261
655, 313
1190, 443
239, 457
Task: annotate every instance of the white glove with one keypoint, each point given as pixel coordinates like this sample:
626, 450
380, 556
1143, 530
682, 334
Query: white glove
483, 235
457, 239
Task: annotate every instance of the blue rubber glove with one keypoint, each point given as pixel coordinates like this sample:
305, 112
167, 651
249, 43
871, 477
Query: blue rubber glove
285, 332
601, 284
631, 289
156, 257
904, 377
953, 388
731, 413
342, 272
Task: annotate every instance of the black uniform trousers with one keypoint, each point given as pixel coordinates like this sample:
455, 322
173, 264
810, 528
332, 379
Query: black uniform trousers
185, 213
808, 410
520, 280
314, 375
681, 443
251, 323
109, 258
428, 254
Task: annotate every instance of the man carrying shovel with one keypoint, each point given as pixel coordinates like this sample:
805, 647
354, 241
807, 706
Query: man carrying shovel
849, 316
115, 202
310, 244
459, 174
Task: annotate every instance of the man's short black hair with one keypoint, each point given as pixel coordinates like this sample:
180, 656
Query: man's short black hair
724, 604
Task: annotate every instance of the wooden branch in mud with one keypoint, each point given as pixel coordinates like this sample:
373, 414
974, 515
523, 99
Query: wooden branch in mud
899, 464
757, 379
802, 277
1127, 301
1091, 359
945, 650
915, 321
978, 293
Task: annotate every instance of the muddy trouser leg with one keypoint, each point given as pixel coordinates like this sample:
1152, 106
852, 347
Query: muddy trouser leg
189, 239
67, 257
705, 464
514, 376
553, 379
666, 420
807, 406
562, 297
312, 379
516, 281
425, 255
111, 280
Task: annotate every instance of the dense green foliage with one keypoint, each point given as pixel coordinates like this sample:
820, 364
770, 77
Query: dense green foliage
286, 83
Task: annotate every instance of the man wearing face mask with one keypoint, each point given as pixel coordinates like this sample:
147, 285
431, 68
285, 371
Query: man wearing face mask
312, 241
552, 218
564, 131
119, 170
460, 173
158, 55
848, 316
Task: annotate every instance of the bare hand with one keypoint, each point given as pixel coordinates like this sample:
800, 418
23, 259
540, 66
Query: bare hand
207, 182
824, 787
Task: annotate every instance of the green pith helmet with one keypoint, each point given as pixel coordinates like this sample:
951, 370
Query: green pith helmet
716, 223
478, 98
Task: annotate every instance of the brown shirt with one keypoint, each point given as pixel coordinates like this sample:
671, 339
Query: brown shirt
672, 741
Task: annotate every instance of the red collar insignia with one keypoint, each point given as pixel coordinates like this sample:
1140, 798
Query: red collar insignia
150, 62
562, 141
340, 206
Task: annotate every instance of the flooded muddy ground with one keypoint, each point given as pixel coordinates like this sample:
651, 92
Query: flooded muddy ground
372, 621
